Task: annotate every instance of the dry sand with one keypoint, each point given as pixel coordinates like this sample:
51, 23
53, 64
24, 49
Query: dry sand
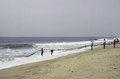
97, 64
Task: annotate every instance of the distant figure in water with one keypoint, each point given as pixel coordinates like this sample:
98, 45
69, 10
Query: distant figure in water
114, 42
51, 51
42, 51
92, 45
104, 43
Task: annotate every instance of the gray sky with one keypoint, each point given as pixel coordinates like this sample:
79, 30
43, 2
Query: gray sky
71, 18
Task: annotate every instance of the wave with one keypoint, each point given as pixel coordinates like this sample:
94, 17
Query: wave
18, 54
27, 50
16, 46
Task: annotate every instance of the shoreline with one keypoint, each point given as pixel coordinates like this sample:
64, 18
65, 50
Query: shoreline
83, 46
97, 64
38, 59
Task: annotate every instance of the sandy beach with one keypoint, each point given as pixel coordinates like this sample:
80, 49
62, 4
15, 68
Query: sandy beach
97, 64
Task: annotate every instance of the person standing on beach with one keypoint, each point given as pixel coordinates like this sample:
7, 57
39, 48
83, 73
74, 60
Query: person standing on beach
104, 43
92, 45
114, 42
117, 40
51, 51
42, 51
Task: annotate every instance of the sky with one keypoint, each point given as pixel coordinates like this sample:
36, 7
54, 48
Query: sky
59, 18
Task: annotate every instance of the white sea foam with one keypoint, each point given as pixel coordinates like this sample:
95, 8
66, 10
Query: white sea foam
15, 57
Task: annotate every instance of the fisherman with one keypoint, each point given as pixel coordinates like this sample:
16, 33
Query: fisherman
51, 51
114, 42
117, 40
42, 51
104, 43
92, 45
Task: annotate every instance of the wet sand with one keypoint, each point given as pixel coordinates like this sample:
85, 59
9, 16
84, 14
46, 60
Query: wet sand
97, 64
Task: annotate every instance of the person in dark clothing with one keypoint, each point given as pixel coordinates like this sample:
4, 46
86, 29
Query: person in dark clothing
104, 43
42, 51
51, 51
117, 40
114, 42
92, 45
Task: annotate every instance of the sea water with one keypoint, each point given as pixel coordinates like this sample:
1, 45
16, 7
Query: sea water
22, 50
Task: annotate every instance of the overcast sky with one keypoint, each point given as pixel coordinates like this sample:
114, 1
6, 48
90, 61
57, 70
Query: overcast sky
50, 18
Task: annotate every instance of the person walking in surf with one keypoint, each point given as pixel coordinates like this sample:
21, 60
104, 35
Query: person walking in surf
42, 51
51, 51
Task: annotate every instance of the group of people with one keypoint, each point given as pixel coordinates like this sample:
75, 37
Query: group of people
115, 41
42, 51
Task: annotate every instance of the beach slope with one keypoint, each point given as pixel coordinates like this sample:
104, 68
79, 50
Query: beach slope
97, 64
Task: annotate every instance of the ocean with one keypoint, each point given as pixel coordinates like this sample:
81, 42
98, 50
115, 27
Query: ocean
30, 40
28, 49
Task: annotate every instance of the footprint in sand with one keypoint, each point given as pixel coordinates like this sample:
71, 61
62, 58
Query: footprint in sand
114, 68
